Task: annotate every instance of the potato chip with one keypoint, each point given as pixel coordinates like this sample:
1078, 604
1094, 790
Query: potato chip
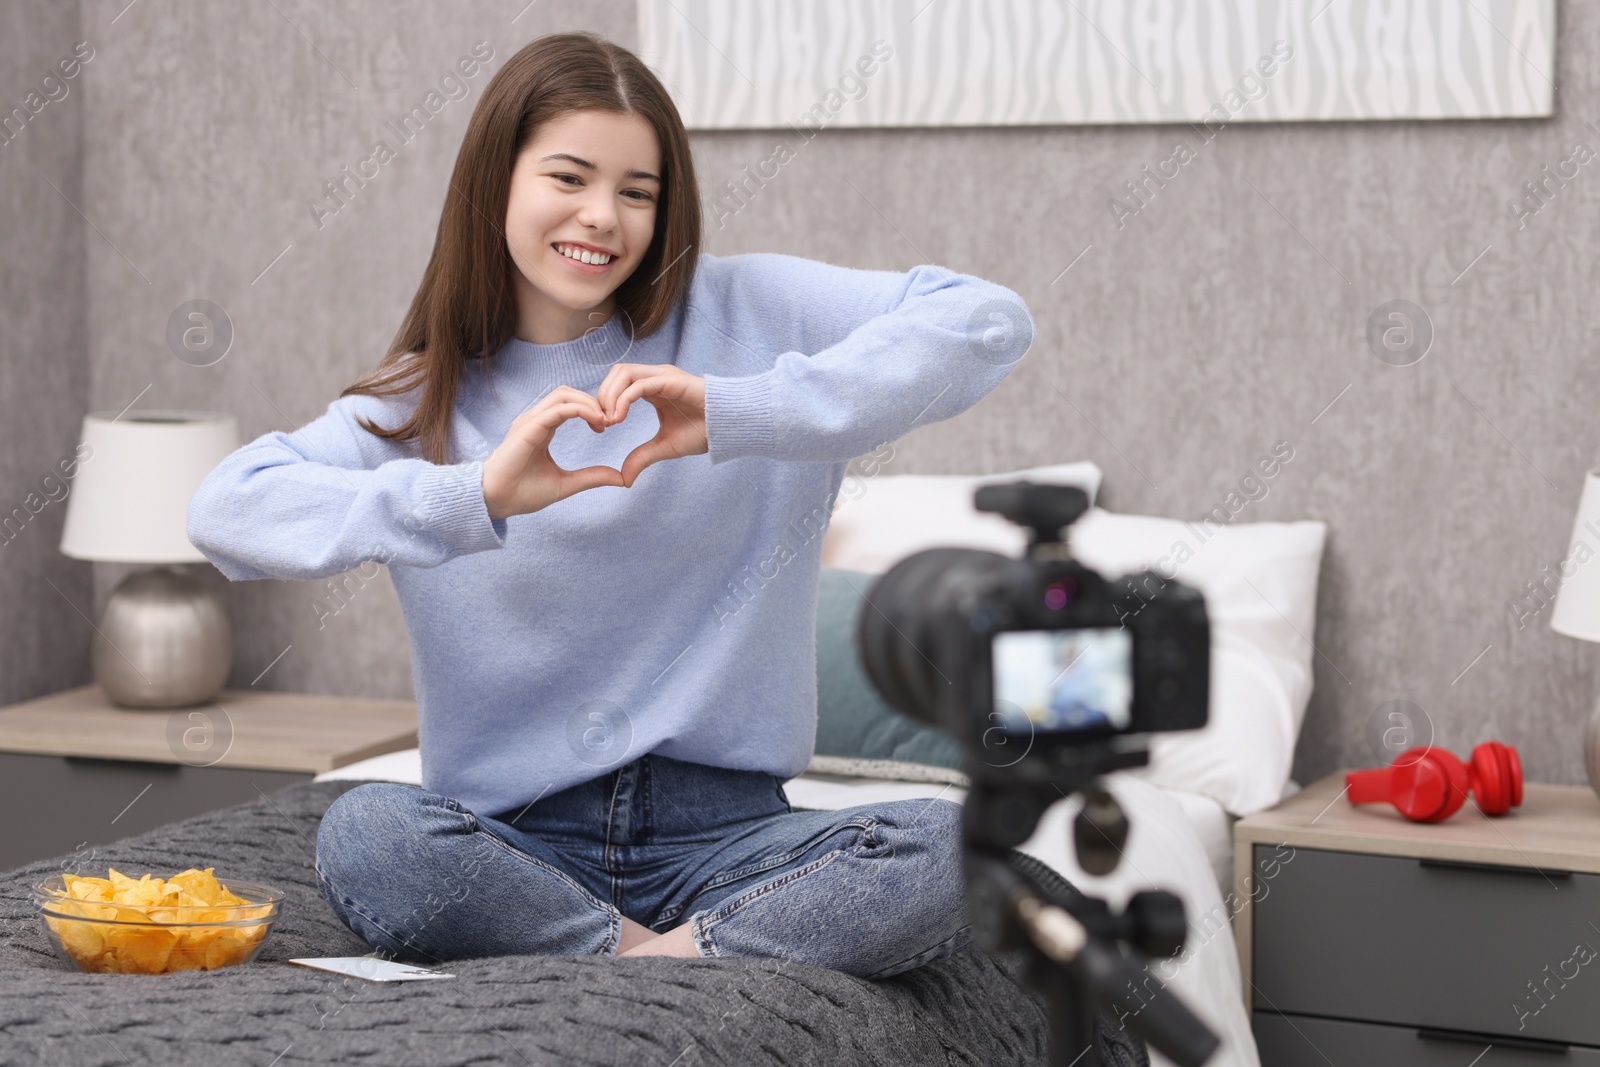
87, 888
145, 949
81, 939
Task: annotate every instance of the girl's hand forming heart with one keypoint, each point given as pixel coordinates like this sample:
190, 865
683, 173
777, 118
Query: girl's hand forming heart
680, 402
520, 478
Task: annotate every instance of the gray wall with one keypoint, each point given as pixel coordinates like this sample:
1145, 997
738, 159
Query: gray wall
44, 359
1224, 316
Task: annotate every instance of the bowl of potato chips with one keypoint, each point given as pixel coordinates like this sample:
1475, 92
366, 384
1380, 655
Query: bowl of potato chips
152, 925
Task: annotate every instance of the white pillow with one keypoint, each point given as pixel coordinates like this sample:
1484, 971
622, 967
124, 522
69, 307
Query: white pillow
891, 516
1260, 584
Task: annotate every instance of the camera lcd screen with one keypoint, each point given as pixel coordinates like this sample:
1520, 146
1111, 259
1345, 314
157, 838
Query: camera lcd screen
1061, 681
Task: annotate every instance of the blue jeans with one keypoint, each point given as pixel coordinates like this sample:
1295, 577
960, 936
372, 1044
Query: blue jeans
872, 890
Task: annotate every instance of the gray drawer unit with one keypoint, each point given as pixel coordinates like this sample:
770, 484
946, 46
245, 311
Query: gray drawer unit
1436, 944
65, 805
1298, 1040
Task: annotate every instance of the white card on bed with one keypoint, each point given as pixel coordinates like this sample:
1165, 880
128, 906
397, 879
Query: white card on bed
371, 968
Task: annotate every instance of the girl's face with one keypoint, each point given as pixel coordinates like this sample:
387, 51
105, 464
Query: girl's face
589, 180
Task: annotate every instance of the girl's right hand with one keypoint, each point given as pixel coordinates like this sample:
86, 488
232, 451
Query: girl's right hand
519, 477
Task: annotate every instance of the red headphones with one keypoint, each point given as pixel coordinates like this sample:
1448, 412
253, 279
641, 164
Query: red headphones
1427, 784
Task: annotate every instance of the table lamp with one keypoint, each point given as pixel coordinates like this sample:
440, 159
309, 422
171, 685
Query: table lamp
163, 639
1577, 610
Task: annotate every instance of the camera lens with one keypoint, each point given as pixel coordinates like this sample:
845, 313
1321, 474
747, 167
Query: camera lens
897, 632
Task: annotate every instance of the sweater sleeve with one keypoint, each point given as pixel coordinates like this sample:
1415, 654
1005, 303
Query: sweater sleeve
873, 354
326, 498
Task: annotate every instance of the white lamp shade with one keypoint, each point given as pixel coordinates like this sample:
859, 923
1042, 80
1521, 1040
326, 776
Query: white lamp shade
1577, 610
130, 500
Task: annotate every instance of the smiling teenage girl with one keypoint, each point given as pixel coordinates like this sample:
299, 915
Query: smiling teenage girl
603, 747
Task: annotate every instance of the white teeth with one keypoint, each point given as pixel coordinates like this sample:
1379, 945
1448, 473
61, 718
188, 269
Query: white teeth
582, 255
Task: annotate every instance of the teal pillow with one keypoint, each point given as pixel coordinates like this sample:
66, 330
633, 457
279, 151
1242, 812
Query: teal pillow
852, 719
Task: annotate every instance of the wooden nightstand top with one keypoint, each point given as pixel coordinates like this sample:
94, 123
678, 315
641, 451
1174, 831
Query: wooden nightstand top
241, 728
1556, 826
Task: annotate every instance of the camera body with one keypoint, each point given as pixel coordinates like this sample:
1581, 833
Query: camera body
1035, 661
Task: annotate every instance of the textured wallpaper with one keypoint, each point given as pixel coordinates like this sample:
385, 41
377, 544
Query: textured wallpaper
1200, 296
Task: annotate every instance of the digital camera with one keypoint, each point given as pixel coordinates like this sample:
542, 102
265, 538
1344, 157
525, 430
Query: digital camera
1033, 658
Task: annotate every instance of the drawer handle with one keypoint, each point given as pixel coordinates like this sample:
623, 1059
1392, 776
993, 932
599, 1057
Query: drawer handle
1526, 1044
147, 766
1495, 868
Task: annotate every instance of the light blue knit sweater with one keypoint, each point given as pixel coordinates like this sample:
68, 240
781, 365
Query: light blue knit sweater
677, 616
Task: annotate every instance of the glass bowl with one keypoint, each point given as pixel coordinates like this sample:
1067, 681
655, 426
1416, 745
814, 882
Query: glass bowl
107, 938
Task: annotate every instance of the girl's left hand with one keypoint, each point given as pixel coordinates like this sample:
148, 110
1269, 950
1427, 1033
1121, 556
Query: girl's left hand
680, 402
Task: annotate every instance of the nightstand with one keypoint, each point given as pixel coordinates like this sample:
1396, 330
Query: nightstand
1366, 938
76, 771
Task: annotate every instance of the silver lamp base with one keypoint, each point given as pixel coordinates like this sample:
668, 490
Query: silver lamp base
163, 642
1591, 747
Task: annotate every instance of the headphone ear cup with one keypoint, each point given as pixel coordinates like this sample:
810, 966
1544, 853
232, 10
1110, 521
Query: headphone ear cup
1458, 781
1424, 788
1508, 765
1490, 779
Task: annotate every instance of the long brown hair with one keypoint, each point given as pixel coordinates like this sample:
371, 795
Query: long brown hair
466, 307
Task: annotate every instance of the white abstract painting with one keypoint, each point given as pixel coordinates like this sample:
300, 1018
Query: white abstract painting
770, 64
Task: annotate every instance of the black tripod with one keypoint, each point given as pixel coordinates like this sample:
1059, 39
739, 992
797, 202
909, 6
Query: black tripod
1074, 958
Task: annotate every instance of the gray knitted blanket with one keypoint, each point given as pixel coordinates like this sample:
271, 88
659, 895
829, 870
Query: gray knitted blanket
529, 1011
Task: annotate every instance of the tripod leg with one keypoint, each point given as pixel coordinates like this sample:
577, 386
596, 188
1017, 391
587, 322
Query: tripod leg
1074, 1037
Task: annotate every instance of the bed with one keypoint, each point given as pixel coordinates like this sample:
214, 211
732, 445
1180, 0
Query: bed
1178, 841
532, 1011
1260, 584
